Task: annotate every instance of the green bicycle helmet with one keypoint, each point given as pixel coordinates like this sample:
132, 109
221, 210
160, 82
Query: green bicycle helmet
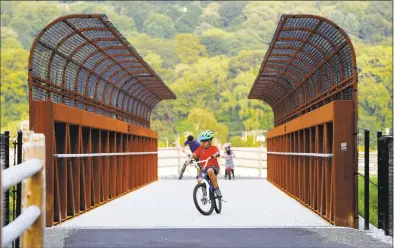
206, 135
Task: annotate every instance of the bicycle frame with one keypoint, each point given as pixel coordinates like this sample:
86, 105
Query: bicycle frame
204, 174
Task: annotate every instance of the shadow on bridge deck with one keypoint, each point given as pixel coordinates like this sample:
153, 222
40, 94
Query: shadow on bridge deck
163, 214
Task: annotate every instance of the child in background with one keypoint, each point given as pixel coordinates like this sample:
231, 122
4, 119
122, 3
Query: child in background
229, 155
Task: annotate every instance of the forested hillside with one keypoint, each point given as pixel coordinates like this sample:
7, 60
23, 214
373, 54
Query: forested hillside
208, 53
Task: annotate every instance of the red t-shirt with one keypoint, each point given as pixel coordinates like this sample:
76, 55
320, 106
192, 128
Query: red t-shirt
204, 154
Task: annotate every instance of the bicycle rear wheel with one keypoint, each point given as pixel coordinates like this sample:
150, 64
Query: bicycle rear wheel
207, 201
218, 203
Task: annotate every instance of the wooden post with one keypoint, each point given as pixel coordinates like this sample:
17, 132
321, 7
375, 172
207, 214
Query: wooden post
33, 191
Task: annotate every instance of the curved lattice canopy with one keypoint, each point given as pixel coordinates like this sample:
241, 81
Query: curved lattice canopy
84, 62
309, 63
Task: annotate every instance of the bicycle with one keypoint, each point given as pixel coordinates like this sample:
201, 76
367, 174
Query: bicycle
185, 164
212, 201
183, 168
227, 167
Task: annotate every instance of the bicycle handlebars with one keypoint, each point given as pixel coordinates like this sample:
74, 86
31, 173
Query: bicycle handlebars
202, 161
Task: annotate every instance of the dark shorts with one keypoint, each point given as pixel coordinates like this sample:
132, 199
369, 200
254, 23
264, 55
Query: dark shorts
215, 170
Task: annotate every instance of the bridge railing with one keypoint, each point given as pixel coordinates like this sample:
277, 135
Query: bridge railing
30, 225
249, 161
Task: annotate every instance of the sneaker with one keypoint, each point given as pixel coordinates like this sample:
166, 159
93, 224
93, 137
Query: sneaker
218, 193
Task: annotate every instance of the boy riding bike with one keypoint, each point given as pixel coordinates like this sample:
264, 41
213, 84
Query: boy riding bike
205, 151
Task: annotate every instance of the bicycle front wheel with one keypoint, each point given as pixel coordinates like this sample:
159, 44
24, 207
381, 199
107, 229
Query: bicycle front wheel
182, 171
203, 199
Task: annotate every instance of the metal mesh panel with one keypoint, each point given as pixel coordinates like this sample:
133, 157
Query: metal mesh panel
300, 64
82, 80
293, 43
322, 43
347, 62
41, 58
76, 62
71, 44
347, 94
108, 89
123, 81
120, 100
80, 105
335, 66
118, 51
100, 90
318, 40
38, 93
103, 65
125, 102
55, 34
95, 34
327, 70
301, 23
57, 68
293, 34
307, 59
91, 108
313, 51
92, 61
332, 33
105, 43
117, 76
114, 96
69, 102
81, 23
110, 71
82, 53
120, 58
92, 85
71, 75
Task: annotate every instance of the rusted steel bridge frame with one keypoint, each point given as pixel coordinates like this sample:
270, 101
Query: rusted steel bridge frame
309, 78
91, 92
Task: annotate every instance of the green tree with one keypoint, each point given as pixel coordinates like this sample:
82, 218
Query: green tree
30, 18
158, 25
187, 22
14, 88
189, 48
231, 13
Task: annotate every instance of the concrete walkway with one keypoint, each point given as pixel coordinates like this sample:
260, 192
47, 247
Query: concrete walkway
169, 204
163, 214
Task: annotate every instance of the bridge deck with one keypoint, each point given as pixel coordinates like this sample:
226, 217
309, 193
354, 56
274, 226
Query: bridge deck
163, 215
169, 203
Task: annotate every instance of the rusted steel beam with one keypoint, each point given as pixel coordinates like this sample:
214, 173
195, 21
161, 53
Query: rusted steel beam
91, 102
98, 48
78, 131
325, 185
305, 51
73, 26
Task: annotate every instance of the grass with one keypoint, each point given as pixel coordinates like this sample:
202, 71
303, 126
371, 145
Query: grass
373, 199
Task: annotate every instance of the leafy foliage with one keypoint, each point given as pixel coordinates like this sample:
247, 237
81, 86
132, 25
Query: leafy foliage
209, 54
